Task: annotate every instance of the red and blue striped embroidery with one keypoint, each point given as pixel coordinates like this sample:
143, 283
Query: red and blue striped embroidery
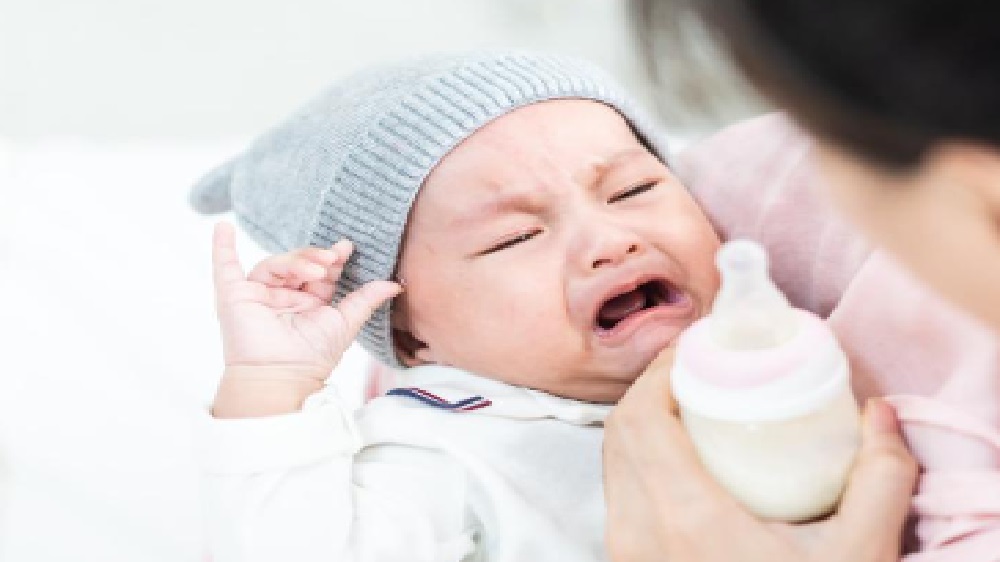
431, 399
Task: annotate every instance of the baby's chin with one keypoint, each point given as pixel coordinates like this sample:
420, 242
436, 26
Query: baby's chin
598, 381
601, 374
641, 350
608, 391
614, 375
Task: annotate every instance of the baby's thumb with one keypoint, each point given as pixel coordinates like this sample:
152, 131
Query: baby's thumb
358, 307
877, 499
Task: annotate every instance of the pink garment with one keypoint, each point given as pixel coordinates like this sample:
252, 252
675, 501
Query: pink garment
938, 367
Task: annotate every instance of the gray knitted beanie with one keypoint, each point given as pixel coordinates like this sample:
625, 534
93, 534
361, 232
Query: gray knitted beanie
350, 163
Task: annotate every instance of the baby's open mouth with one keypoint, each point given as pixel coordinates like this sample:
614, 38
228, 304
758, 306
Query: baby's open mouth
648, 295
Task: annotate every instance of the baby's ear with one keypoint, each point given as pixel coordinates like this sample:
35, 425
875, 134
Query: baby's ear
412, 352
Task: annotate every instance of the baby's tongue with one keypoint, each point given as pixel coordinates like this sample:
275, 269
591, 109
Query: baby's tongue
616, 309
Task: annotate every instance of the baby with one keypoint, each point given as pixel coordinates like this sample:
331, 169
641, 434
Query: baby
544, 255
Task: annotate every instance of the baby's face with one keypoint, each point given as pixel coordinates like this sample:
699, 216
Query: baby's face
551, 250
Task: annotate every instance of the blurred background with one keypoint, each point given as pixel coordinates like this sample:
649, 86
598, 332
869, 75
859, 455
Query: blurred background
115, 69
109, 110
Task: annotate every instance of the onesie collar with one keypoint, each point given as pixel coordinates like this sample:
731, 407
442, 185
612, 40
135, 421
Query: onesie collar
464, 393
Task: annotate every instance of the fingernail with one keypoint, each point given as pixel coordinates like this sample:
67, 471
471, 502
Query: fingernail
881, 418
316, 270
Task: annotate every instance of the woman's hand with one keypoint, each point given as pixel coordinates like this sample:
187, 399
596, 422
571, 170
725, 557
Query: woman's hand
663, 505
280, 333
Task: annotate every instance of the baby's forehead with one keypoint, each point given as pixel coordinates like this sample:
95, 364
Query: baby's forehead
486, 194
543, 146
477, 174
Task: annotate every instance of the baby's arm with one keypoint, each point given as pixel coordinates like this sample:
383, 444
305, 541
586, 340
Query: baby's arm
281, 337
295, 488
287, 473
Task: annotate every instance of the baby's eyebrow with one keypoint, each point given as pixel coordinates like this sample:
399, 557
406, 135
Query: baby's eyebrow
601, 170
520, 201
527, 201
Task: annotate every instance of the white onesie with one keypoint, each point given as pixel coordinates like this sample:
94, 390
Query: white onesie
452, 467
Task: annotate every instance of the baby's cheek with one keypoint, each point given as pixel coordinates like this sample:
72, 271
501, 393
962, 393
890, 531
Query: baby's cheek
528, 317
695, 249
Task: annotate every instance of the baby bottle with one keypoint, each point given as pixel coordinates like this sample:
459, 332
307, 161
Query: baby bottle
764, 393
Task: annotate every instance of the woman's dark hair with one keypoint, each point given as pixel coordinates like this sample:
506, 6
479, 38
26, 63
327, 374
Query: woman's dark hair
886, 79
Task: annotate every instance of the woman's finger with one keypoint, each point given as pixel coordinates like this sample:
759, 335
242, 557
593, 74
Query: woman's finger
877, 499
660, 368
662, 502
660, 450
226, 268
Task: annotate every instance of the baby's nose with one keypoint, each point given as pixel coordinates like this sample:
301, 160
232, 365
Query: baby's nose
611, 248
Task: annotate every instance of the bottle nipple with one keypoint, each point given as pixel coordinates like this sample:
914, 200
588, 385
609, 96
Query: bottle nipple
749, 312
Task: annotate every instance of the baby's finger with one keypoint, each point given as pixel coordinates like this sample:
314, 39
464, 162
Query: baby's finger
288, 300
358, 306
226, 268
322, 290
325, 288
343, 250
286, 270
321, 256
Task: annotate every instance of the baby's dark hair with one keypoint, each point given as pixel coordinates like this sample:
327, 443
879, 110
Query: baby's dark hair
885, 79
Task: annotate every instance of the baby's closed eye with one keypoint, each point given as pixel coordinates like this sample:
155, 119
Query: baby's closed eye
632, 191
513, 241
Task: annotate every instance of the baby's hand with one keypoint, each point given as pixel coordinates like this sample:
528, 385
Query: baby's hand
280, 315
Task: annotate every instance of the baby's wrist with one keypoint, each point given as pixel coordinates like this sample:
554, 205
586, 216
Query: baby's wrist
291, 372
265, 390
